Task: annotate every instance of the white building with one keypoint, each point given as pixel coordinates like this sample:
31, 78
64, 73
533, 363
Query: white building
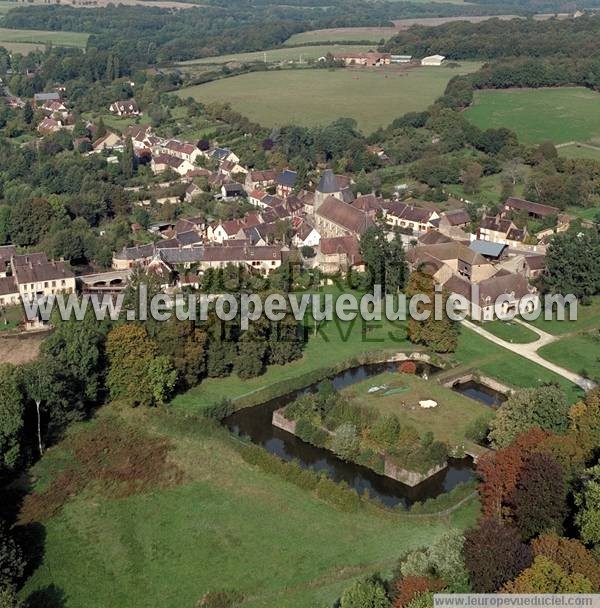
433, 60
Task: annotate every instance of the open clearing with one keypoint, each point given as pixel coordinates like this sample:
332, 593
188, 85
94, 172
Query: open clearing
577, 353
577, 150
298, 54
557, 114
309, 97
448, 421
24, 41
225, 525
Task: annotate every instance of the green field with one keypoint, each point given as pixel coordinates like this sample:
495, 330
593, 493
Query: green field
511, 331
579, 353
579, 151
24, 41
314, 96
297, 54
226, 525
343, 34
588, 319
448, 421
559, 114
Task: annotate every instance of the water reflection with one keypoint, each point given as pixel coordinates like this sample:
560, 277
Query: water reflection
255, 422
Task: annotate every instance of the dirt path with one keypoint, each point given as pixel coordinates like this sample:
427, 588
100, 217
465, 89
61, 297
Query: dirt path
20, 349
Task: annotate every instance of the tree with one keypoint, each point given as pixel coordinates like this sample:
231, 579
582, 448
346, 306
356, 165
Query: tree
373, 248
11, 417
365, 593
499, 472
395, 265
545, 407
570, 554
8, 597
137, 374
540, 496
587, 502
12, 564
471, 178
346, 443
439, 334
100, 129
494, 554
128, 159
27, 113
30, 220
39, 385
546, 576
410, 587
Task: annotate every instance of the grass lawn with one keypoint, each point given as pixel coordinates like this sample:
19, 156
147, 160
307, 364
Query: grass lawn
579, 151
585, 213
372, 97
490, 191
338, 342
588, 318
448, 421
475, 352
510, 331
302, 53
23, 41
558, 114
10, 317
227, 525
579, 353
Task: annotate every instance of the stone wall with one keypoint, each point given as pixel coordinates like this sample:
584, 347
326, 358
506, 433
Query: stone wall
410, 478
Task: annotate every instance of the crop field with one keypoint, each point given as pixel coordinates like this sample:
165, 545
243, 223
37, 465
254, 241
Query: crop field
218, 523
315, 97
560, 115
24, 41
299, 54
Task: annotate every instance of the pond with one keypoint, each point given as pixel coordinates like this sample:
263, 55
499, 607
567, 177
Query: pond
255, 423
480, 392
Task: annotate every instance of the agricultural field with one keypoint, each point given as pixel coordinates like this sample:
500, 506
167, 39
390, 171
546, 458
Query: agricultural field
448, 421
24, 41
203, 520
372, 97
560, 115
376, 34
300, 54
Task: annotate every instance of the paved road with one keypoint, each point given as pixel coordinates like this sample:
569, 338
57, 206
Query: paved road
529, 351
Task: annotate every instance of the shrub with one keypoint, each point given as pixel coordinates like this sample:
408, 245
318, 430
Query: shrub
345, 442
220, 599
310, 433
408, 367
478, 429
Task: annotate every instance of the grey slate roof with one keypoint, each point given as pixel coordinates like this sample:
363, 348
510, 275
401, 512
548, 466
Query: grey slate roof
487, 248
328, 182
287, 178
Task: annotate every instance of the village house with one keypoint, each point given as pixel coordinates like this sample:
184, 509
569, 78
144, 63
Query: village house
178, 149
499, 230
233, 190
221, 155
455, 223
369, 59
129, 257
285, 182
411, 218
191, 192
339, 254
9, 291
259, 180
528, 208
305, 235
482, 297
6, 253
163, 162
37, 277
445, 260
41, 98
230, 168
142, 138
127, 107
256, 198
50, 125
55, 109
108, 143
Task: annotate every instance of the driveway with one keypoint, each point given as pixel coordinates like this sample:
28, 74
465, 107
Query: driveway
529, 351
